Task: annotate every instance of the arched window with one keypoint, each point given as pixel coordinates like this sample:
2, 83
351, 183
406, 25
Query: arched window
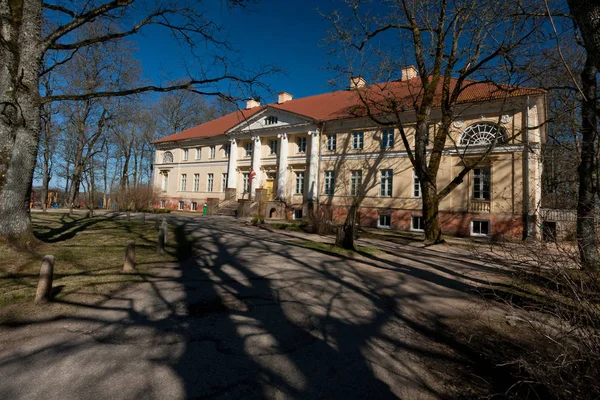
167, 157
483, 134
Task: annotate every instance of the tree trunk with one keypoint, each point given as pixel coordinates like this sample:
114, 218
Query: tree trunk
345, 233
433, 232
19, 114
586, 230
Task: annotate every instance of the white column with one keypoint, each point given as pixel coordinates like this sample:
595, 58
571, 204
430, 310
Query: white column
313, 164
282, 166
255, 165
232, 165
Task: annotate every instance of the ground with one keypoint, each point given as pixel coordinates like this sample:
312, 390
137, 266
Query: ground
248, 312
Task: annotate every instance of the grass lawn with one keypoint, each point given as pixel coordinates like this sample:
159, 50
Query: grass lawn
331, 249
89, 255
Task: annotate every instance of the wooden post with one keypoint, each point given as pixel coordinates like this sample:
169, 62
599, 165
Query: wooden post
164, 228
161, 241
44, 288
129, 257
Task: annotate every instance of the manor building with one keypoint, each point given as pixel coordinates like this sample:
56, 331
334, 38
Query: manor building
321, 151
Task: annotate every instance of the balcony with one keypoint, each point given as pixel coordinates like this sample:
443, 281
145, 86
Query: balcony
480, 206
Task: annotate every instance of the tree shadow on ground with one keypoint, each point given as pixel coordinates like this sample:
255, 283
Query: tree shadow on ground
243, 315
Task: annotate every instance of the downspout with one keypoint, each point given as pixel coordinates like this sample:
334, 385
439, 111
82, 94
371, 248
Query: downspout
526, 194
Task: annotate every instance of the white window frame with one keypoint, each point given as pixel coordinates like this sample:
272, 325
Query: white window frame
273, 147
331, 142
358, 140
299, 187
329, 183
224, 182
246, 182
194, 206
212, 152
210, 182
248, 147
185, 154
163, 203
183, 186
355, 182
165, 182
416, 193
226, 150
167, 157
296, 210
479, 180
301, 143
386, 134
181, 205
412, 223
380, 225
489, 225
387, 182
196, 182
198, 153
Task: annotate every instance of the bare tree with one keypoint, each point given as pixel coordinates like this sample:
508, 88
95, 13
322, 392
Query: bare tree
451, 43
587, 16
32, 31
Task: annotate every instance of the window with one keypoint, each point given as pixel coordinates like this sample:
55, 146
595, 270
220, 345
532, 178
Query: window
165, 183
209, 183
246, 185
416, 185
196, 182
212, 152
358, 140
329, 182
482, 134
249, 149
355, 182
385, 221
480, 228
181, 205
198, 153
270, 120
185, 154
163, 203
481, 183
273, 147
224, 182
183, 182
226, 150
331, 142
167, 157
299, 183
387, 138
194, 206
386, 182
301, 144
417, 224
298, 213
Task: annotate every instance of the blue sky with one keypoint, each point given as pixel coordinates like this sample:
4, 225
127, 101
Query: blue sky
287, 34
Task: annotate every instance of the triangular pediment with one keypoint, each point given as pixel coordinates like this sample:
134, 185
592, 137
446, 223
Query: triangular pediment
271, 118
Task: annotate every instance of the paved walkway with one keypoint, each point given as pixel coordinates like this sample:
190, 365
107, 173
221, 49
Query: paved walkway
250, 314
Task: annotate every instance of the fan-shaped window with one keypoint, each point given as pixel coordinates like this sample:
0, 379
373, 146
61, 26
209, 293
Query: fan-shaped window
483, 134
167, 157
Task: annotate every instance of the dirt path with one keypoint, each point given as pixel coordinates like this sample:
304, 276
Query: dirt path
250, 314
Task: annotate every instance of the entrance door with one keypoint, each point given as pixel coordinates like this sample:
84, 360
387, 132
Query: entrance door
270, 186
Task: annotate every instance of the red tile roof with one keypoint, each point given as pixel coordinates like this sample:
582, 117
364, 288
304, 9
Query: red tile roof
348, 104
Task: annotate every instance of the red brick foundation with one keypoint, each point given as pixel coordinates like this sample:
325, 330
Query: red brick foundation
453, 223
172, 203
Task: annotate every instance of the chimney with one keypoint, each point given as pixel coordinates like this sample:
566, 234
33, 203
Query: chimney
409, 72
357, 82
282, 97
251, 103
